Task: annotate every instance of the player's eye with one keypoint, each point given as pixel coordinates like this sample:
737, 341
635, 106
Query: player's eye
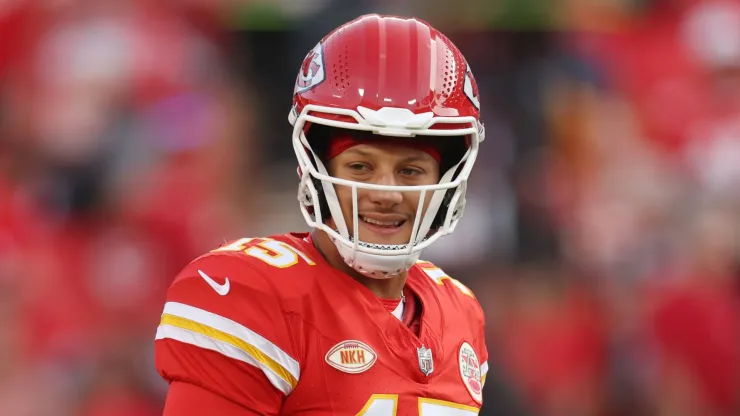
359, 167
410, 171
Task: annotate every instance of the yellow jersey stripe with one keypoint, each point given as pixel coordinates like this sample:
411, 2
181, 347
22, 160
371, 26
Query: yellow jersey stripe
434, 406
225, 349
236, 330
483, 372
242, 345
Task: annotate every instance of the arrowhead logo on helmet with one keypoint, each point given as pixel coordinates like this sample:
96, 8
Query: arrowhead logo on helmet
471, 88
312, 71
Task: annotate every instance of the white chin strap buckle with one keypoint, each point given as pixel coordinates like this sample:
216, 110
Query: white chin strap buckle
378, 266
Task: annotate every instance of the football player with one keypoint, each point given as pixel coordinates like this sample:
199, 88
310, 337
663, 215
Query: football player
346, 320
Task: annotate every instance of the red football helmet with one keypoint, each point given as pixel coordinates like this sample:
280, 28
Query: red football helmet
392, 76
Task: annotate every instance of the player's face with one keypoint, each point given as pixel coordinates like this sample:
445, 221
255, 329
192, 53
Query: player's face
385, 217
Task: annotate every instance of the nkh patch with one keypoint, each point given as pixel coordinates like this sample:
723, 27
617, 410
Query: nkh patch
352, 357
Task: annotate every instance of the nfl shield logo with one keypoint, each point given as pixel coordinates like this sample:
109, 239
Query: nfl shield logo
426, 364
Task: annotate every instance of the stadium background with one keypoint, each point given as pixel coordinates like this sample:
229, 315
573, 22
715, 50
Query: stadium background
601, 233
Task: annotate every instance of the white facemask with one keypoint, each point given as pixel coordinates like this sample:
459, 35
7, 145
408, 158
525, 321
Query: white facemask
375, 260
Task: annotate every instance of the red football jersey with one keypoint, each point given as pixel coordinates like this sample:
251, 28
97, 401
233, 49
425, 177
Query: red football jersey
266, 323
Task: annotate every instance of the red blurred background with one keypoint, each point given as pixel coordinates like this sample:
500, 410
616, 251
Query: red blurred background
601, 234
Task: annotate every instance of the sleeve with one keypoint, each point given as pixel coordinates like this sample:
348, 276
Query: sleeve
481, 343
185, 399
224, 330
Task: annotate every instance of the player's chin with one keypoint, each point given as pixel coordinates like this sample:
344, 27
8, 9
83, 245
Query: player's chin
375, 234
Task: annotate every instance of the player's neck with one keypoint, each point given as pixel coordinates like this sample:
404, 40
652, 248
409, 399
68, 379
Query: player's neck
383, 288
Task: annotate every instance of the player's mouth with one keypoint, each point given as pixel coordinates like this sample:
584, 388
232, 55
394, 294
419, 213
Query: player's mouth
383, 224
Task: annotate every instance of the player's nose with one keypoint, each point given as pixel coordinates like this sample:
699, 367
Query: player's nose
385, 197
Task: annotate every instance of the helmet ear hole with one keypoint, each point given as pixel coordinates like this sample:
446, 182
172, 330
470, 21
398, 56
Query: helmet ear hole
318, 137
323, 205
439, 219
454, 151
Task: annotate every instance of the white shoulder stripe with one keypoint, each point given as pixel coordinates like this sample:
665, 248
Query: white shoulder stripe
483, 372
484, 368
224, 348
216, 333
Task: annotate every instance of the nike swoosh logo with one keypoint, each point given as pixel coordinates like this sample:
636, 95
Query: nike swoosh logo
222, 290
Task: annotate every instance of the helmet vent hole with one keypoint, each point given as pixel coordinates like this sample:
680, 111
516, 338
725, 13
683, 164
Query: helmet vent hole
340, 69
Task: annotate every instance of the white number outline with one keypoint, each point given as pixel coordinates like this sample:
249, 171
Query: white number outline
439, 277
273, 252
427, 407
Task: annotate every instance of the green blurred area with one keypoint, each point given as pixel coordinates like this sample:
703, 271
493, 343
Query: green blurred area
509, 15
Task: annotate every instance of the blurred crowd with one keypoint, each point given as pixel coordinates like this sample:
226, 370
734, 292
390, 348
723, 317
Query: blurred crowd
600, 235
